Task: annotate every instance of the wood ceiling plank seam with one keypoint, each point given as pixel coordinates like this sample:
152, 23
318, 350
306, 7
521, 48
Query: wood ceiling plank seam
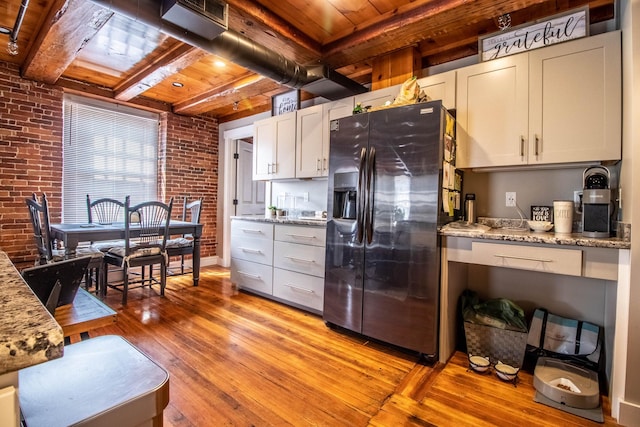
318, 19
245, 9
226, 94
356, 11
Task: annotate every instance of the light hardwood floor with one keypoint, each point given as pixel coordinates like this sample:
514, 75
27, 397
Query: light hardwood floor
236, 359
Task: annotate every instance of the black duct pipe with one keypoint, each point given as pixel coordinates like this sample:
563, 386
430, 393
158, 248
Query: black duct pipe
234, 47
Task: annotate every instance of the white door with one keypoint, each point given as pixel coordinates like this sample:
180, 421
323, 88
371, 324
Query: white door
249, 194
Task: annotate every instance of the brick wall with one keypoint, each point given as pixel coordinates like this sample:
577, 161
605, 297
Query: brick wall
31, 160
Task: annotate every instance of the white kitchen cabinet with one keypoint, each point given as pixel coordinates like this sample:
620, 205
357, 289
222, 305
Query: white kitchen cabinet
440, 86
252, 255
492, 113
311, 160
275, 147
378, 97
332, 111
282, 261
299, 254
575, 102
554, 105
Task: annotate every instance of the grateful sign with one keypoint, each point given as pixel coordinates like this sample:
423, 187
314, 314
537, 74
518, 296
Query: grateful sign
556, 29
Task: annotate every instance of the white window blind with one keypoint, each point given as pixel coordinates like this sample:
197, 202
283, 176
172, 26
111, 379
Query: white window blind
109, 151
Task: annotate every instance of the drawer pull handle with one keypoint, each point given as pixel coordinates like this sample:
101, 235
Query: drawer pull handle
295, 288
253, 276
306, 261
251, 231
300, 236
522, 258
251, 251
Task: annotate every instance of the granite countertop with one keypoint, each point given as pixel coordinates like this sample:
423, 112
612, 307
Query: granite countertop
294, 221
507, 230
28, 333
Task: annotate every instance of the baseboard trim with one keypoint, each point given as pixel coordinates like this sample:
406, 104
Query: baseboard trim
629, 414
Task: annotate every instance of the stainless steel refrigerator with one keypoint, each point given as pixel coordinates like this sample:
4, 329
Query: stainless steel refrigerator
392, 181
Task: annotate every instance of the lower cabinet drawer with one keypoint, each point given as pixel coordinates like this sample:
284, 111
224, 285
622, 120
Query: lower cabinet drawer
301, 258
301, 289
524, 257
251, 275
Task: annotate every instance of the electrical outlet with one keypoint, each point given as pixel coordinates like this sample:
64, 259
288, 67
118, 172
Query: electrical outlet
305, 196
510, 199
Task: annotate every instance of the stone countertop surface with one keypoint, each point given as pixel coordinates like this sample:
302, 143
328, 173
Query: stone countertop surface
29, 335
511, 232
287, 221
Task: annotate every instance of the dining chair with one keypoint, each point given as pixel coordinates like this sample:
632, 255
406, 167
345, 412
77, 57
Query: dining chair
144, 244
47, 249
105, 211
182, 246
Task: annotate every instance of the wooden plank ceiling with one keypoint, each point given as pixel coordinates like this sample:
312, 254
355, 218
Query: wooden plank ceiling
82, 46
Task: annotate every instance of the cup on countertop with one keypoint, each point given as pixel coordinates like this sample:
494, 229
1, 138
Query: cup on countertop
563, 216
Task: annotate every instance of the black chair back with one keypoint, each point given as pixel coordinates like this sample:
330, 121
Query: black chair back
153, 220
105, 210
39, 215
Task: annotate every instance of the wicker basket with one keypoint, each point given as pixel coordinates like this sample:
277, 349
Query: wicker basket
498, 344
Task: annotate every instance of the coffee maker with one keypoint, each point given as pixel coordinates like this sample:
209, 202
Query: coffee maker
597, 206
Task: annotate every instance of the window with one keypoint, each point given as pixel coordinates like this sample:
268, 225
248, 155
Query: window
109, 151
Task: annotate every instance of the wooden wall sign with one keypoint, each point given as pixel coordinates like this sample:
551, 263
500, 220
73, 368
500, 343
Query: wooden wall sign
285, 102
544, 32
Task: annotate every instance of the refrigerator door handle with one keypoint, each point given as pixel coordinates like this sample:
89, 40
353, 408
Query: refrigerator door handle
361, 196
371, 164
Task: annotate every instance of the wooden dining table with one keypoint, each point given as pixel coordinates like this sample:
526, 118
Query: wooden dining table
72, 234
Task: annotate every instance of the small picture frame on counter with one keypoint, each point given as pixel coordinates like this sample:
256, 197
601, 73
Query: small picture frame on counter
542, 213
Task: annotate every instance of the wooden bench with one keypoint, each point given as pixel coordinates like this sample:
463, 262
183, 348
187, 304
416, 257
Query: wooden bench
86, 313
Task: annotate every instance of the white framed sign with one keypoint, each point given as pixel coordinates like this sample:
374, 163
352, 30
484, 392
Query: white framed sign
285, 102
544, 32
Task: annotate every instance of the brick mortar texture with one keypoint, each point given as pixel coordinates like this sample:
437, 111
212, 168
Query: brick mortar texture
31, 118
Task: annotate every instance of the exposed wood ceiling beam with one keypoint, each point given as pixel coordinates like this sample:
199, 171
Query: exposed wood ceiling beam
68, 27
412, 27
264, 27
179, 57
84, 89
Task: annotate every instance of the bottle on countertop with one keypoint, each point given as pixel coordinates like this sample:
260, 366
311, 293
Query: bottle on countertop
470, 208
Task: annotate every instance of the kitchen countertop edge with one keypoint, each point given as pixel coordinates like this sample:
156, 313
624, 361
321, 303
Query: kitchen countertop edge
29, 335
548, 238
286, 221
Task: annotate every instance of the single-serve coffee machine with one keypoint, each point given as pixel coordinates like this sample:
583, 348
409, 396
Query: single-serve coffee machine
597, 206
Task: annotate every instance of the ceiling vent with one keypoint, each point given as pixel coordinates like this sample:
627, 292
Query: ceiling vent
206, 18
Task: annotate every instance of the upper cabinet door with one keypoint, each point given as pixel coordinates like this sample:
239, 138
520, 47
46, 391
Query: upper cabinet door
332, 111
309, 142
285, 153
274, 151
377, 98
263, 148
575, 101
491, 113
440, 87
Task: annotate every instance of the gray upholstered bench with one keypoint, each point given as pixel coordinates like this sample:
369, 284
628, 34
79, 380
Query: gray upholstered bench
103, 381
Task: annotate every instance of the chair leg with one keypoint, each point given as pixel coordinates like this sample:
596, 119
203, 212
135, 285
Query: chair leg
163, 276
125, 284
104, 281
182, 264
